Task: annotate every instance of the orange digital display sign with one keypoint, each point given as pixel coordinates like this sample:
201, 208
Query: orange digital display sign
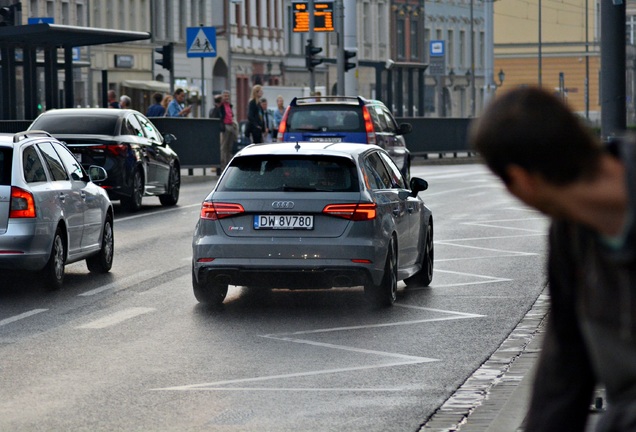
323, 16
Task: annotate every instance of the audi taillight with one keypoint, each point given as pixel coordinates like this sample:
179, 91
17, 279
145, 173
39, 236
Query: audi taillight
22, 203
215, 211
368, 125
354, 212
282, 127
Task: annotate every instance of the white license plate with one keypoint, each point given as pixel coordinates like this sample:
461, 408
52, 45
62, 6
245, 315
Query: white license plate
78, 156
325, 139
291, 222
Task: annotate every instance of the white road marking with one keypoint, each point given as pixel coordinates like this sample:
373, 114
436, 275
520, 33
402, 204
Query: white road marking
154, 213
212, 385
21, 316
120, 283
290, 389
286, 337
490, 238
506, 252
116, 318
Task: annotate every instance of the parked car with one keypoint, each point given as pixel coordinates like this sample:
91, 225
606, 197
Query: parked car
346, 119
312, 215
51, 212
137, 158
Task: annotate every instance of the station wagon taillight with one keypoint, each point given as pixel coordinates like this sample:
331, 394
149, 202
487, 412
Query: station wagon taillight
22, 204
368, 125
214, 211
354, 212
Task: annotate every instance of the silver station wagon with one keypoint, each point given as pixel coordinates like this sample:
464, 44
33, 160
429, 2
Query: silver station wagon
51, 212
313, 215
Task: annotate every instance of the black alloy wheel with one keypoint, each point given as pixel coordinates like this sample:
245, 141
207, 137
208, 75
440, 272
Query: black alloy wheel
102, 262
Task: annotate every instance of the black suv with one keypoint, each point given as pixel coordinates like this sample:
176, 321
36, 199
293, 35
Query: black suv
346, 119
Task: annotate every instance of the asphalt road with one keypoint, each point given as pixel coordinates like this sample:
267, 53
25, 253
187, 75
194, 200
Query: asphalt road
132, 350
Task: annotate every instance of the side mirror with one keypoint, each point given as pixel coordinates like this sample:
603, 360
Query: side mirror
405, 128
417, 185
169, 138
97, 174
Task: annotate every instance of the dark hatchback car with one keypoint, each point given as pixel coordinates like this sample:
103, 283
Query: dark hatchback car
346, 119
136, 156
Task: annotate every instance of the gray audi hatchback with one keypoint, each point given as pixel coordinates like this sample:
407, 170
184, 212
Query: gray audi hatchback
313, 215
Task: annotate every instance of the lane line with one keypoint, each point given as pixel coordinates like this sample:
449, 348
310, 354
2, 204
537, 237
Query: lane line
507, 252
303, 389
154, 213
119, 284
116, 318
21, 316
205, 386
491, 237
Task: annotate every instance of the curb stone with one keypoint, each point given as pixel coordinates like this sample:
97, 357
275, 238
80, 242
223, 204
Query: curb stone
492, 399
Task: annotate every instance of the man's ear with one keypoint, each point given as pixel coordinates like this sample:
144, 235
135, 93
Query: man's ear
522, 183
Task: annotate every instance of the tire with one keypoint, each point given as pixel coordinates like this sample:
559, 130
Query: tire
133, 202
102, 262
174, 185
385, 294
424, 276
207, 293
53, 271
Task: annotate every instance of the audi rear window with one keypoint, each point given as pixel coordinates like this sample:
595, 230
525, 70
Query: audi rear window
290, 173
79, 124
6, 154
329, 118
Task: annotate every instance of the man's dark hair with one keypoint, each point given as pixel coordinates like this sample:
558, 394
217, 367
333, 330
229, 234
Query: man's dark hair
536, 130
157, 97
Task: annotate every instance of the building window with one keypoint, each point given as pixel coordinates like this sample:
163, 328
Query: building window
462, 48
427, 41
450, 48
415, 40
401, 39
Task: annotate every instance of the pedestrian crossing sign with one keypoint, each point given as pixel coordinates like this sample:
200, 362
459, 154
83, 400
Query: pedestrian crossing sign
201, 41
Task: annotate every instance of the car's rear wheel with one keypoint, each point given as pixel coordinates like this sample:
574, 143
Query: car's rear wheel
53, 272
424, 276
133, 202
174, 185
385, 294
208, 293
102, 262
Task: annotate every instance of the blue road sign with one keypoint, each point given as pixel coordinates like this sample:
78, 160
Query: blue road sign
40, 20
201, 41
437, 48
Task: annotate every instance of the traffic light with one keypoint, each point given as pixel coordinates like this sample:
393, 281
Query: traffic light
8, 15
310, 55
347, 56
167, 60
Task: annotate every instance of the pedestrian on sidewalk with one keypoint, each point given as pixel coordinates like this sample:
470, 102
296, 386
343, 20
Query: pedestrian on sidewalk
549, 159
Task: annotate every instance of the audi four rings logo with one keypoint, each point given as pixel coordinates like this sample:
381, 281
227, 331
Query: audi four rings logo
283, 204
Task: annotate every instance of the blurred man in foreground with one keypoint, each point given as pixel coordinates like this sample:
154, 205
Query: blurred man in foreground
549, 160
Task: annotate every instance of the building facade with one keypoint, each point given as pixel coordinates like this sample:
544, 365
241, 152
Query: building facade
555, 46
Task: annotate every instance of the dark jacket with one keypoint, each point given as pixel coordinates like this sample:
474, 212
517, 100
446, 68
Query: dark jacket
591, 333
255, 115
